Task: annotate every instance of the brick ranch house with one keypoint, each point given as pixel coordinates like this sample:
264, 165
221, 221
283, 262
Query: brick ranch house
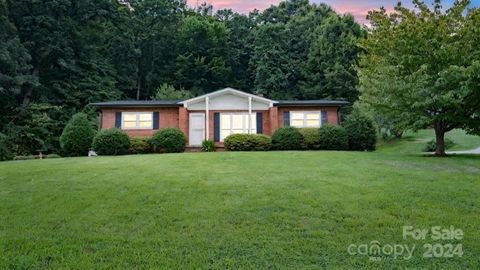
229, 111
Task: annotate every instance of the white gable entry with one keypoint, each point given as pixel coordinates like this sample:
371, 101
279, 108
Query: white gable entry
227, 99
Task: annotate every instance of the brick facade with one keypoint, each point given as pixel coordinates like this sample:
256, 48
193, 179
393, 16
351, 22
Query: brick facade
178, 117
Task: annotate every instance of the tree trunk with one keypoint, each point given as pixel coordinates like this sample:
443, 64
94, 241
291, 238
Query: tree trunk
440, 140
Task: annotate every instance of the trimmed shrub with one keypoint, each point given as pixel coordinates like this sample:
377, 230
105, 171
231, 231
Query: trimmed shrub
431, 146
5, 153
53, 156
361, 132
140, 145
247, 142
208, 146
77, 136
111, 142
288, 138
169, 140
311, 138
333, 137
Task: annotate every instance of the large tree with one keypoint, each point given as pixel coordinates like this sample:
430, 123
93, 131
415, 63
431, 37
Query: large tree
422, 67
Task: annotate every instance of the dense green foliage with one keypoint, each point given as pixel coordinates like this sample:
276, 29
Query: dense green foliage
311, 138
421, 68
168, 92
361, 132
111, 142
248, 142
169, 140
288, 138
140, 145
5, 153
57, 56
333, 137
238, 210
77, 137
209, 146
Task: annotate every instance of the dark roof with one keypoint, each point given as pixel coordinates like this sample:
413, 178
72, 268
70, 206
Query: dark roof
318, 102
138, 103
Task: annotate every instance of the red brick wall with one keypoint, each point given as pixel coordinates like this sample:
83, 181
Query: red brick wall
332, 114
169, 118
179, 118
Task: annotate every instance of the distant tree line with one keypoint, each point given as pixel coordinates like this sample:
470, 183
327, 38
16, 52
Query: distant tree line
57, 56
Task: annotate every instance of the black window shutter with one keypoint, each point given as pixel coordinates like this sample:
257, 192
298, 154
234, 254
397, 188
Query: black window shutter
324, 117
118, 120
286, 119
156, 120
259, 122
216, 127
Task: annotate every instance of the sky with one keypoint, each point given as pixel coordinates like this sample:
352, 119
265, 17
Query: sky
357, 8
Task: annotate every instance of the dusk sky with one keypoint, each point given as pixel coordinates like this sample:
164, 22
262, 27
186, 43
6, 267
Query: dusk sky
358, 8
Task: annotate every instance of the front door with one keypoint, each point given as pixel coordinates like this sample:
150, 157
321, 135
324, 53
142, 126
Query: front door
197, 129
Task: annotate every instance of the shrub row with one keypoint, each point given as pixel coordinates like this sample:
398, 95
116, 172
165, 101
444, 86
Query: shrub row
110, 142
357, 133
328, 137
248, 142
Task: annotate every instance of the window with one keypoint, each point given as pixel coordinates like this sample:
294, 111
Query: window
235, 123
305, 119
137, 120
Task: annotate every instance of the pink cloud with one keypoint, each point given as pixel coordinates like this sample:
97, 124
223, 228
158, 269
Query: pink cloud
358, 9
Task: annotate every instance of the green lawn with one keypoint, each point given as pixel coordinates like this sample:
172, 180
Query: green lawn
295, 210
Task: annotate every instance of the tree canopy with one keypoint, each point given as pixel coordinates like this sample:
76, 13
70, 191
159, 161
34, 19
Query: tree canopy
422, 67
57, 56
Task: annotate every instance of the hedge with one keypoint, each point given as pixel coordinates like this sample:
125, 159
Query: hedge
248, 142
311, 138
140, 145
111, 142
333, 137
288, 138
169, 140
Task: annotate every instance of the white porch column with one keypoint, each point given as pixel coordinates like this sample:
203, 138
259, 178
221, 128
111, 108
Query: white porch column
207, 118
249, 114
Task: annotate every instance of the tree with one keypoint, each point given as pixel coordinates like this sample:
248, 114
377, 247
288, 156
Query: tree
168, 92
330, 67
422, 66
201, 64
77, 136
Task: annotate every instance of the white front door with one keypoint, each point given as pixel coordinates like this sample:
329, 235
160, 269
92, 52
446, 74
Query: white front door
197, 129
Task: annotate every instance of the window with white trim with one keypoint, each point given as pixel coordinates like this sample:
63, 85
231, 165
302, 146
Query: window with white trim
306, 119
137, 120
236, 123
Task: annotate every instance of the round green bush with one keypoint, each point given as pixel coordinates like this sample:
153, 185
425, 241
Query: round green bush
361, 132
169, 140
288, 138
140, 145
111, 142
5, 153
311, 138
208, 146
77, 136
247, 142
333, 137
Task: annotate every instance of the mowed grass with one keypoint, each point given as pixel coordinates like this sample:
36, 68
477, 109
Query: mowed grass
272, 210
